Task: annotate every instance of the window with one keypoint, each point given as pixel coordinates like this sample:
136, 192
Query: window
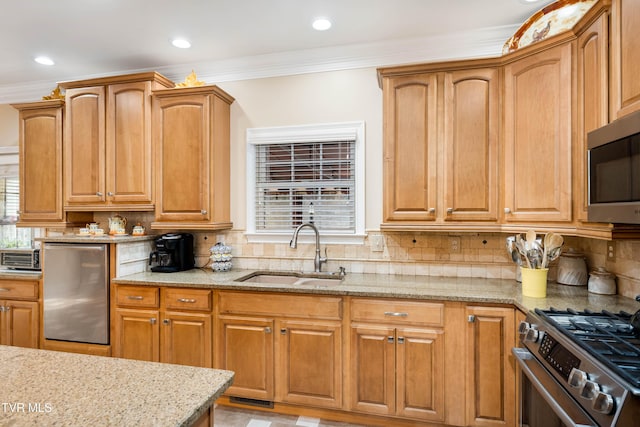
299, 174
10, 235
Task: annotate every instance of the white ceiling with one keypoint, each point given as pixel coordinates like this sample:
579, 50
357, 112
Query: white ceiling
239, 39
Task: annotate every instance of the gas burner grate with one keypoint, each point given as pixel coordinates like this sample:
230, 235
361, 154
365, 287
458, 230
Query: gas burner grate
607, 336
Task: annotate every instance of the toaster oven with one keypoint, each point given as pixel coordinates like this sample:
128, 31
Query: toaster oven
20, 259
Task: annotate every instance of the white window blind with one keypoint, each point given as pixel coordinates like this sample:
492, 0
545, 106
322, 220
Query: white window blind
308, 173
9, 199
305, 182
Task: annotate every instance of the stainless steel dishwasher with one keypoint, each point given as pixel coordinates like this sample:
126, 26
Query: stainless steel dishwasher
76, 292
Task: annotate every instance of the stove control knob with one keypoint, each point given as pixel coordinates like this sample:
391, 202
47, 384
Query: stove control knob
577, 378
590, 390
603, 403
533, 335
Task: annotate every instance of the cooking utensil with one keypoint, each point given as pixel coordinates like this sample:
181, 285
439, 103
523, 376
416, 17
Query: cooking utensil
552, 242
535, 254
520, 245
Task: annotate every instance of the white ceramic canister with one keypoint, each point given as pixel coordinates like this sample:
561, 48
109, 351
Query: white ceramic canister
602, 282
572, 269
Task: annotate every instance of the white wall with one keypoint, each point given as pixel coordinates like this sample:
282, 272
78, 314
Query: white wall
304, 99
8, 125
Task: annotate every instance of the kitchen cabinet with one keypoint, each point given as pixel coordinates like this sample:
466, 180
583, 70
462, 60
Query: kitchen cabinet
108, 143
441, 137
172, 325
283, 348
625, 58
40, 129
19, 313
490, 366
191, 141
592, 102
538, 137
397, 359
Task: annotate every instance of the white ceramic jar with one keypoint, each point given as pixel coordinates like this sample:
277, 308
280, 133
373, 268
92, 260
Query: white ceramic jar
572, 269
602, 282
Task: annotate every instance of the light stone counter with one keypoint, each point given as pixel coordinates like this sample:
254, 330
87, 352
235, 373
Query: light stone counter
49, 388
466, 289
105, 238
9, 274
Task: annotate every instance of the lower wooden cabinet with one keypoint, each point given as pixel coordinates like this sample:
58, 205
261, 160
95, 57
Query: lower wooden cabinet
164, 325
282, 348
397, 363
19, 313
490, 375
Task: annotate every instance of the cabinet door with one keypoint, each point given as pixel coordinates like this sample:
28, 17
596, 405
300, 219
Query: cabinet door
537, 152
137, 334
183, 158
410, 148
84, 146
471, 124
420, 374
187, 339
592, 105
41, 164
373, 369
310, 365
19, 323
246, 346
128, 148
490, 366
625, 57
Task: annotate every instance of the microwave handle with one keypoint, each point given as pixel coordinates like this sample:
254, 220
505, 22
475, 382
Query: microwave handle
529, 364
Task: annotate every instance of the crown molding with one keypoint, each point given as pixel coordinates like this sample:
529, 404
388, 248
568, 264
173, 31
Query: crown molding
482, 43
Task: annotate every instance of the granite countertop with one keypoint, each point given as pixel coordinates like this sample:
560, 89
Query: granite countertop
41, 387
466, 289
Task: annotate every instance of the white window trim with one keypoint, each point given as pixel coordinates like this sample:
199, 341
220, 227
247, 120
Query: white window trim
307, 133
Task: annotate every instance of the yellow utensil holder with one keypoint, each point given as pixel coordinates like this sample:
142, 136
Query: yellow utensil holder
534, 282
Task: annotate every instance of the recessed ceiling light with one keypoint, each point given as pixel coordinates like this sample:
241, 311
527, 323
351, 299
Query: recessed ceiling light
44, 60
321, 24
181, 43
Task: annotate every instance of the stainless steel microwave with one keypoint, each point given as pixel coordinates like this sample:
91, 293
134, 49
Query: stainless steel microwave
614, 171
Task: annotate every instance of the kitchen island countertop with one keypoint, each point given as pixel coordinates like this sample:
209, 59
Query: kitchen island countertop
42, 388
466, 289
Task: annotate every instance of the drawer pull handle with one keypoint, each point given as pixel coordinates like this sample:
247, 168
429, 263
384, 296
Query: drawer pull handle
396, 314
4, 290
189, 300
135, 297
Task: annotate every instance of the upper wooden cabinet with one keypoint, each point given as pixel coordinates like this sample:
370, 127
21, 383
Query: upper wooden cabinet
538, 137
107, 142
625, 57
191, 142
40, 129
440, 146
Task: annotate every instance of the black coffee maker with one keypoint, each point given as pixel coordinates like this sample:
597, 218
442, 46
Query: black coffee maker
174, 252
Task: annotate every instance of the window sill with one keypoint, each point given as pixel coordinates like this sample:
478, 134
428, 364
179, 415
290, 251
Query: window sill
307, 237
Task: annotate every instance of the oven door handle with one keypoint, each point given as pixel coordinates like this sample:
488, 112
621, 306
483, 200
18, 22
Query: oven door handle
560, 401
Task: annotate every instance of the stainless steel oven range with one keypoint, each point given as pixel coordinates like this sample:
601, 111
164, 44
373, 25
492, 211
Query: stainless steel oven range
579, 368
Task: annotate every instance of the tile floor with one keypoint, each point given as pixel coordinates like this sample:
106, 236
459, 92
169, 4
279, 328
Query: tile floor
225, 416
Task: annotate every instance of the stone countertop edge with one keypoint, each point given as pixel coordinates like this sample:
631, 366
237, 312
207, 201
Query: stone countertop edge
7, 274
105, 238
113, 391
463, 289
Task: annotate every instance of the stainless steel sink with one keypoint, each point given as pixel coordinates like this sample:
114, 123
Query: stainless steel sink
289, 278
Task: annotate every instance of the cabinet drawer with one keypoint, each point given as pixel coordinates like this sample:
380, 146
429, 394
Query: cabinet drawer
301, 306
19, 289
138, 296
187, 299
390, 311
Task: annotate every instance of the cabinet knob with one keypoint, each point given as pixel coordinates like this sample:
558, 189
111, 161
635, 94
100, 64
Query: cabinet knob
449, 211
390, 339
471, 318
99, 193
283, 331
400, 340
152, 320
3, 309
432, 210
507, 210
203, 212
267, 330
110, 193
166, 321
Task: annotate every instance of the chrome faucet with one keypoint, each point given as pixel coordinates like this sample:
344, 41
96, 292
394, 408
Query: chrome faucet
318, 260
